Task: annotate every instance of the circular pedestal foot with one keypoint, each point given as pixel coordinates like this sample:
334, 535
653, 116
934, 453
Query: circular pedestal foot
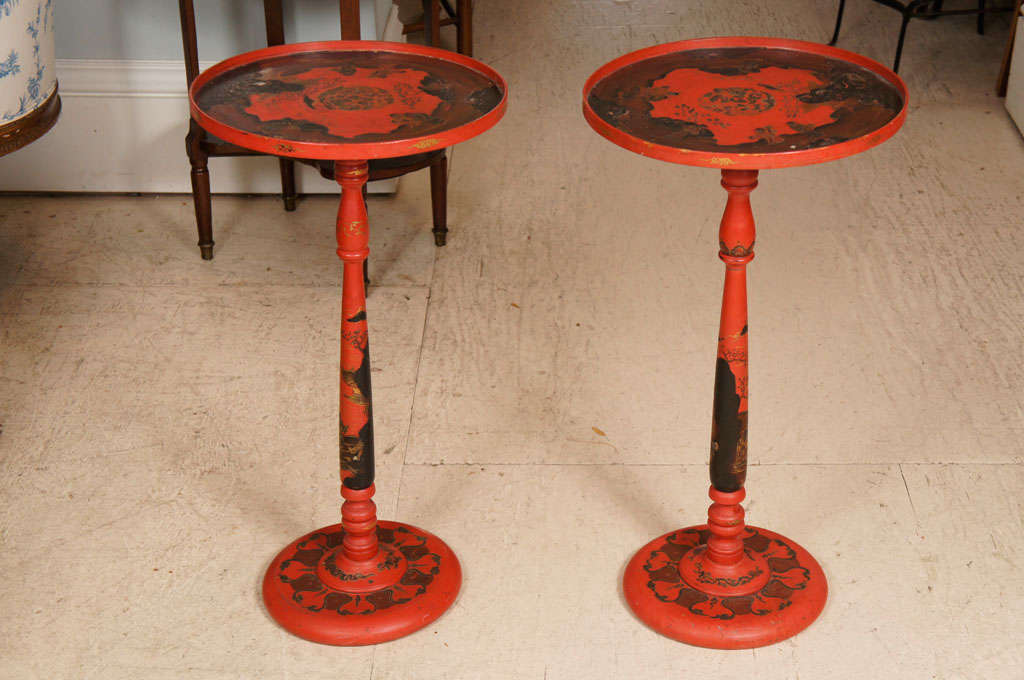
788, 602
311, 592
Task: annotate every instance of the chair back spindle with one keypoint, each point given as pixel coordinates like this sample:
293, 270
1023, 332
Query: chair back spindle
188, 39
274, 15
200, 146
349, 10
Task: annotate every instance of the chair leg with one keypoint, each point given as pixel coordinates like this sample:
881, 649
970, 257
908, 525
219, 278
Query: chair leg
439, 199
839, 22
899, 44
200, 191
366, 262
432, 22
288, 194
981, 17
464, 27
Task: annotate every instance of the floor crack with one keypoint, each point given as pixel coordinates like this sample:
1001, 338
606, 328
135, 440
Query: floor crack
909, 497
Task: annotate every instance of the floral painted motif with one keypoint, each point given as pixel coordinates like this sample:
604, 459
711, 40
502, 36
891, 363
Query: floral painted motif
299, 572
745, 99
6, 7
342, 97
787, 576
32, 83
10, 66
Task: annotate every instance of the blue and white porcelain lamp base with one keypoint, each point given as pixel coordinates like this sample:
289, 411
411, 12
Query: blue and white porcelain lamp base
29, 104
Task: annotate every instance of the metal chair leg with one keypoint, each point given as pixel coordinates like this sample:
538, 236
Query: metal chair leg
899, 44
839, 22
981, 17
366, 262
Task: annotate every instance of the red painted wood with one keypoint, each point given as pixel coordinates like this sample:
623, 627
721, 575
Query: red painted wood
739, 104
362, 581
666, 599
312, 591
723, 584
744, 102
729, 416
352, 100
355, 414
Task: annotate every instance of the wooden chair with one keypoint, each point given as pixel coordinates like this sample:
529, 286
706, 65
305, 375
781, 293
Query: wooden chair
460, 16
200, 146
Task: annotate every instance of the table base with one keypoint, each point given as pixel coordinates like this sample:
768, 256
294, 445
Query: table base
313, 591
666, 593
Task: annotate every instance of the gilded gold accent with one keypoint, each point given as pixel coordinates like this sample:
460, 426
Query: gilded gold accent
351, 453
720, 160
426, 143
739, 462
356, 397
354, 172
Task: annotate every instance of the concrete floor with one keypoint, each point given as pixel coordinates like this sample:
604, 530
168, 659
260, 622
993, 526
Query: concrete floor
542, 384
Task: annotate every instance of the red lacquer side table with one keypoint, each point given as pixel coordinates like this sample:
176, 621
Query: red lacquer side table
362, 581
740, 105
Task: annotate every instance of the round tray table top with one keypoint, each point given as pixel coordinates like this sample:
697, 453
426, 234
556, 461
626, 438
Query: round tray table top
347, 100
745, 103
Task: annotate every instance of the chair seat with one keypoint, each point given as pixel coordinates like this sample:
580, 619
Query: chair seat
380, 168
201, 146
218, 147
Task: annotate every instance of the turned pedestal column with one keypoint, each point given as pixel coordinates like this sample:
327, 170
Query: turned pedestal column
361, 581
739, 105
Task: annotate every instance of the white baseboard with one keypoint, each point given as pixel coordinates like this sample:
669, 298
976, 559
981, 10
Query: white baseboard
122, 128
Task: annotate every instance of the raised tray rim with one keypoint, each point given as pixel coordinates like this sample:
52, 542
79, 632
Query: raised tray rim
355, 150
733, 160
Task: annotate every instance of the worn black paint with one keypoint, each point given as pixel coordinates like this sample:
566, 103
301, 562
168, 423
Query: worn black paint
728, 432
356, 452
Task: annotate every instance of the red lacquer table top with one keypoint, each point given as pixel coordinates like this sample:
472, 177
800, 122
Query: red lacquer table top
347, 100
745, 103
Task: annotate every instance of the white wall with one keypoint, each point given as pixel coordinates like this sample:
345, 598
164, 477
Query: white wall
125, 110
148, 29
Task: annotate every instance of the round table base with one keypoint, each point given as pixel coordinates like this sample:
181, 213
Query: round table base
415, 579
791, 599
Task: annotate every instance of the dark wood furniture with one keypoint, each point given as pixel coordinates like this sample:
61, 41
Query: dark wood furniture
362, 581
739, 105
460, 16
201, 146
919, 9
1004, 68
